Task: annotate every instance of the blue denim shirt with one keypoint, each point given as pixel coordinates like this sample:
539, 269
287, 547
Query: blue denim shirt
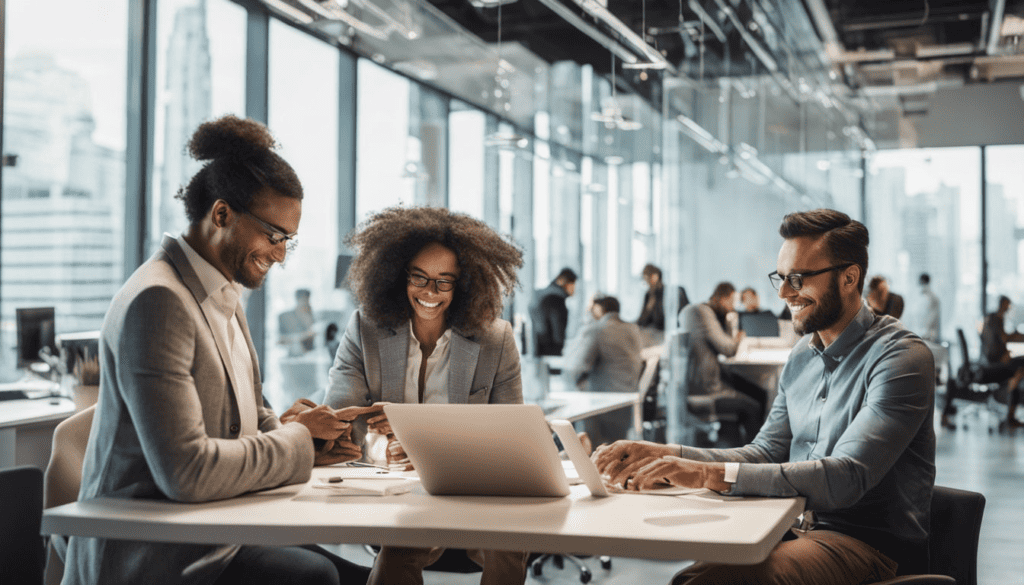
851, 431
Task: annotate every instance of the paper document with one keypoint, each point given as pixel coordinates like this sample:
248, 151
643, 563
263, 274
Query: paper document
363, 486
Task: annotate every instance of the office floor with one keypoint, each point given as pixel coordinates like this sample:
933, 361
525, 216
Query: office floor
967, 458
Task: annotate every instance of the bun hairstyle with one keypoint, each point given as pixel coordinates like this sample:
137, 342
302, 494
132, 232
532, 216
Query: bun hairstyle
242, 164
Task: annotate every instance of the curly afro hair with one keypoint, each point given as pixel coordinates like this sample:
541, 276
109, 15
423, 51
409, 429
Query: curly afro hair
242, 164
387, 242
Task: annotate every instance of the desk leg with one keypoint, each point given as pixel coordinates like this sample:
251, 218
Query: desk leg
8, 446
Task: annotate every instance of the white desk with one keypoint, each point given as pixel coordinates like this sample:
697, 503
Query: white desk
701, 526
1016, 348
26, 429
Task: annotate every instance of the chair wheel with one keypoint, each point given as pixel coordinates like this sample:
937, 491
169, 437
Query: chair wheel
558, 561
606, 564
538, 569
585, 576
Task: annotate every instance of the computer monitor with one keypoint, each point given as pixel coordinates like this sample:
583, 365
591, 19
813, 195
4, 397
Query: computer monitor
759, 324
77, 346
35, 332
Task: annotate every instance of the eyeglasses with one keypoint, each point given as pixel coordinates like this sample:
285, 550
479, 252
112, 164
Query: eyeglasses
420, 281
796, 280
276, 236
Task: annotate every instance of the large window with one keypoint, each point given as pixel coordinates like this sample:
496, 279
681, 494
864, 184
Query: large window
200, 75
1005, 229
64, 163
303, 90
924, 215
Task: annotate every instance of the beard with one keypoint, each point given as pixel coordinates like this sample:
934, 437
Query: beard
825, 312
242, 270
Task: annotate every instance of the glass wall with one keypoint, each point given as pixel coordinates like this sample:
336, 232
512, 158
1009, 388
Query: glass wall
301, 298
63, 191
200, 76
924, 215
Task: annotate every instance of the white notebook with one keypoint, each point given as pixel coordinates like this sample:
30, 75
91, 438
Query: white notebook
364, 486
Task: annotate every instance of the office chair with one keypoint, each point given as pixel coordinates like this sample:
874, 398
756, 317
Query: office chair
974, 383
63, 478
22, 551
650, 420
953, 544
703, 416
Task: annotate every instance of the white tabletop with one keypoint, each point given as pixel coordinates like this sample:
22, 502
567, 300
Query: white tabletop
703, 526
26, 412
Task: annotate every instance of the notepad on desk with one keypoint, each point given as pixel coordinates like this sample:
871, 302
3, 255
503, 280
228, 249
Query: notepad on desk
363, 486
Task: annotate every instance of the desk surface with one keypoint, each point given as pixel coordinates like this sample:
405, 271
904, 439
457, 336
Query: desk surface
14, 413
703, 526
574, 406
760, 356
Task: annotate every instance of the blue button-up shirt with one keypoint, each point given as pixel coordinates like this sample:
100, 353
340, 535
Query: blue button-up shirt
851, 431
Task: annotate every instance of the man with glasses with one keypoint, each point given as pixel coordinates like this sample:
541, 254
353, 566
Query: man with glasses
180, 414
850, 431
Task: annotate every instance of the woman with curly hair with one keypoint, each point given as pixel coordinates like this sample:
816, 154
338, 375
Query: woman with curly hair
430, 284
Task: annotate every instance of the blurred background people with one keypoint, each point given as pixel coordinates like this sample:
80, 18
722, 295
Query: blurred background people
549, 315
994, 349
930, 327
605, 357
881, 300
652, 316
295, 327
709, 338
752, 302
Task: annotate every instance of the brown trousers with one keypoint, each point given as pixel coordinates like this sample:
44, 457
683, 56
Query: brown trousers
404, 566
816, 557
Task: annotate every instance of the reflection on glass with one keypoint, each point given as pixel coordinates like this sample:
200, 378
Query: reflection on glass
64, 158
389, 165
1005, 224
302, 301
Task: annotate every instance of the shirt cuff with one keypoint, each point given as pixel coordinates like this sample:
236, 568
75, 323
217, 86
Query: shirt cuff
732, 470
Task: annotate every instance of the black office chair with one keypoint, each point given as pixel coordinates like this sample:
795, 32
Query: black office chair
22, 549
704, 418
975, 384
953, 546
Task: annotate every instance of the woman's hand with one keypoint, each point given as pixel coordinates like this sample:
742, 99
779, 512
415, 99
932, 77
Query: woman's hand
337, 451
322, 422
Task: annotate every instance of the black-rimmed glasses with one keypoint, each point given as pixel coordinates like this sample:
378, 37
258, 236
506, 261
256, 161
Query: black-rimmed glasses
796, 280
276, 235
420, 281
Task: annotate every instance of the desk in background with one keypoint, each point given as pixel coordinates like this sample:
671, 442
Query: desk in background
26, 430
702, 526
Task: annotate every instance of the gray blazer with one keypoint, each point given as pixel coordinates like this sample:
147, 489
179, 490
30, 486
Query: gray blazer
167, 426
605, 357
707, 340
371, 360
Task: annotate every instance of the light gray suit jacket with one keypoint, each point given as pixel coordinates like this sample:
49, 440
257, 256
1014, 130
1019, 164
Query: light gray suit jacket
605, 357
167, 425
707, 339
371, 360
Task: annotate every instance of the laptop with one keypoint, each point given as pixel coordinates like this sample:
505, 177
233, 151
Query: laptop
760, 324
480, 449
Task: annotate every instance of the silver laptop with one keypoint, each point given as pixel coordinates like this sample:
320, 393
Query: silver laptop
480, 449
574, 449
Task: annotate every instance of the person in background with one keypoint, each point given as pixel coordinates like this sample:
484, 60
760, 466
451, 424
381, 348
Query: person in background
708, 339
430, 285
550, 316
851, 430
930, 328
994, 349
605, 357
295, 327
180, 414
331, 340
653, 314
881, 300
751, 302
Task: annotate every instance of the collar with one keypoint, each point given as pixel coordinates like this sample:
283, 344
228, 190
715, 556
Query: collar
846, 341
213, 280
442, 341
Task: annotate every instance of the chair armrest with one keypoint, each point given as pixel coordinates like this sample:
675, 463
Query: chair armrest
919, 580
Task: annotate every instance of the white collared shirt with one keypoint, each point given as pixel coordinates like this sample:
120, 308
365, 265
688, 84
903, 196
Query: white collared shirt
435, 389
222, 297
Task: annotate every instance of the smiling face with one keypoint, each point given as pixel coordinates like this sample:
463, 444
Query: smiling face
429, 304
826, 301
246, 252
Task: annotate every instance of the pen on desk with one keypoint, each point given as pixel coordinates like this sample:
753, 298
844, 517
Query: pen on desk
334, 479
361, 464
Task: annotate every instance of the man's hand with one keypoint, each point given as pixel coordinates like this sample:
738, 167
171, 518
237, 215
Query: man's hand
678, 472
379, 423
322, 422
397, 457
351, 413
611, 459
301, 405
337, 451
